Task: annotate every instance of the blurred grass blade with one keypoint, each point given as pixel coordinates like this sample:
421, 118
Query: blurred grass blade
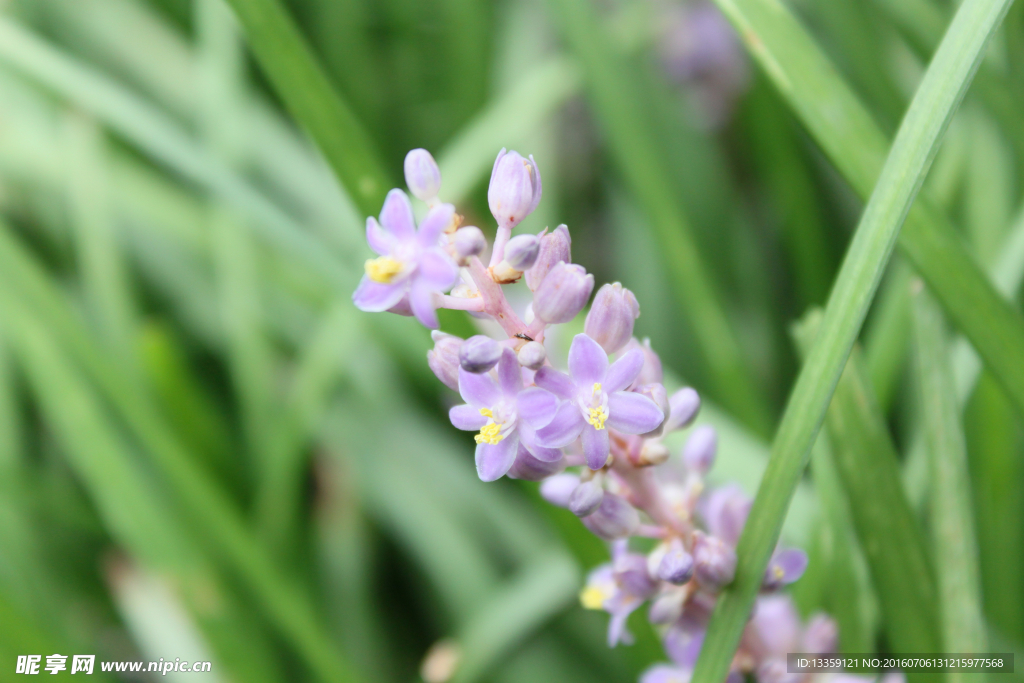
941, 90
517, 609
951, 519
848, 135
868, 466
199, 497
308, 94
159, 136
620, 108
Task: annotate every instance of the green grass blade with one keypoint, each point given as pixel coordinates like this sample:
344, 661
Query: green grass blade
282, 51
941, 90
868, 466
951, 519
619, 107
845, 130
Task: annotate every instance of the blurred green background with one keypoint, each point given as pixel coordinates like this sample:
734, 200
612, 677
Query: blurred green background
206, 452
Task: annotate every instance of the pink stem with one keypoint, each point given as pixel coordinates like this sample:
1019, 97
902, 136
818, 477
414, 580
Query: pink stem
456, 303
501, 238
495, 303
646, 495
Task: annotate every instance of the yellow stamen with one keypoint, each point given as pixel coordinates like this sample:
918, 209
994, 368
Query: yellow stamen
779, 573
593, 597
600, 414
383, 269
490, 433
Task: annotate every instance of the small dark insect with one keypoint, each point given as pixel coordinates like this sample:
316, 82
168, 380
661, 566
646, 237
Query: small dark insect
524, 336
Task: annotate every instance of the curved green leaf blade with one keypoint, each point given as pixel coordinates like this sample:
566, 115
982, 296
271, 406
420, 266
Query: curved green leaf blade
941, 90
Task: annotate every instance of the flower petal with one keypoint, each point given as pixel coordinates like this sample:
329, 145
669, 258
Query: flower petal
421, 300
509, 376
479, 391
378, 238
558, 383
631, 413
595, 447
536, 406
588, 363
564, 427
375, 297
624, 370
437, 270
528, 466
436, 222
493, 461
396, 215
467, 418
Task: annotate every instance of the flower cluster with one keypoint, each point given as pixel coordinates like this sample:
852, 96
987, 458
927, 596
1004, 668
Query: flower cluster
594, 435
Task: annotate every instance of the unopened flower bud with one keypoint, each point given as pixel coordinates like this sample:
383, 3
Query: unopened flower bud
443, 359
532, 355
714, 561
614, 519
657, 393
677, 565
586, 498
469, 241
683, 408
554, 248
521, 251
667, 608
611, 317
422, 175
479, 354
653, 453
821, 636
699, 451
651, 372
563, 294
515, 188
530, 468
557, 489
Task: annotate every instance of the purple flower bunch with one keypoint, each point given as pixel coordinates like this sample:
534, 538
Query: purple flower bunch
594, 434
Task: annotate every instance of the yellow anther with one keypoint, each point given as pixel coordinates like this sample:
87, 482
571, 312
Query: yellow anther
383, 269
490, 433
779, 573
598, 416
597, 388
593, 597
486, 412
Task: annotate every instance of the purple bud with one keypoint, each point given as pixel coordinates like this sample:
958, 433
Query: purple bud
821, 636
667, 608
651, 372
699, 451
479, 354
563, 293
532, 355
785, 567
614, 519
683, 408
530, 468
554, 248
521, 251
676, 565
776, 623
422, 175
714, 561
515, 188
469, 241
557, 489
586, 498
611, 317
443, 359
657, 393
725, 512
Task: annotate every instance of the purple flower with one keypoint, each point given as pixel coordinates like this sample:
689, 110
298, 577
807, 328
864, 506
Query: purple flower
775, 625
505, 413
618, 588
611, 317
725, 512
515, 188
614, 518
595, 400
786, 566
666, 673
410, 262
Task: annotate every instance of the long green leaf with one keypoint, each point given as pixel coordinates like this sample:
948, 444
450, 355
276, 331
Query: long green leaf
305, 89
855, 144
620, 108
868, 465
941, 90
951, 519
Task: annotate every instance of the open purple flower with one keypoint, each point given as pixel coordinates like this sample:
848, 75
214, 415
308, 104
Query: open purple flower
618, 588
506, 414
411, 264
595, 400
786, 566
